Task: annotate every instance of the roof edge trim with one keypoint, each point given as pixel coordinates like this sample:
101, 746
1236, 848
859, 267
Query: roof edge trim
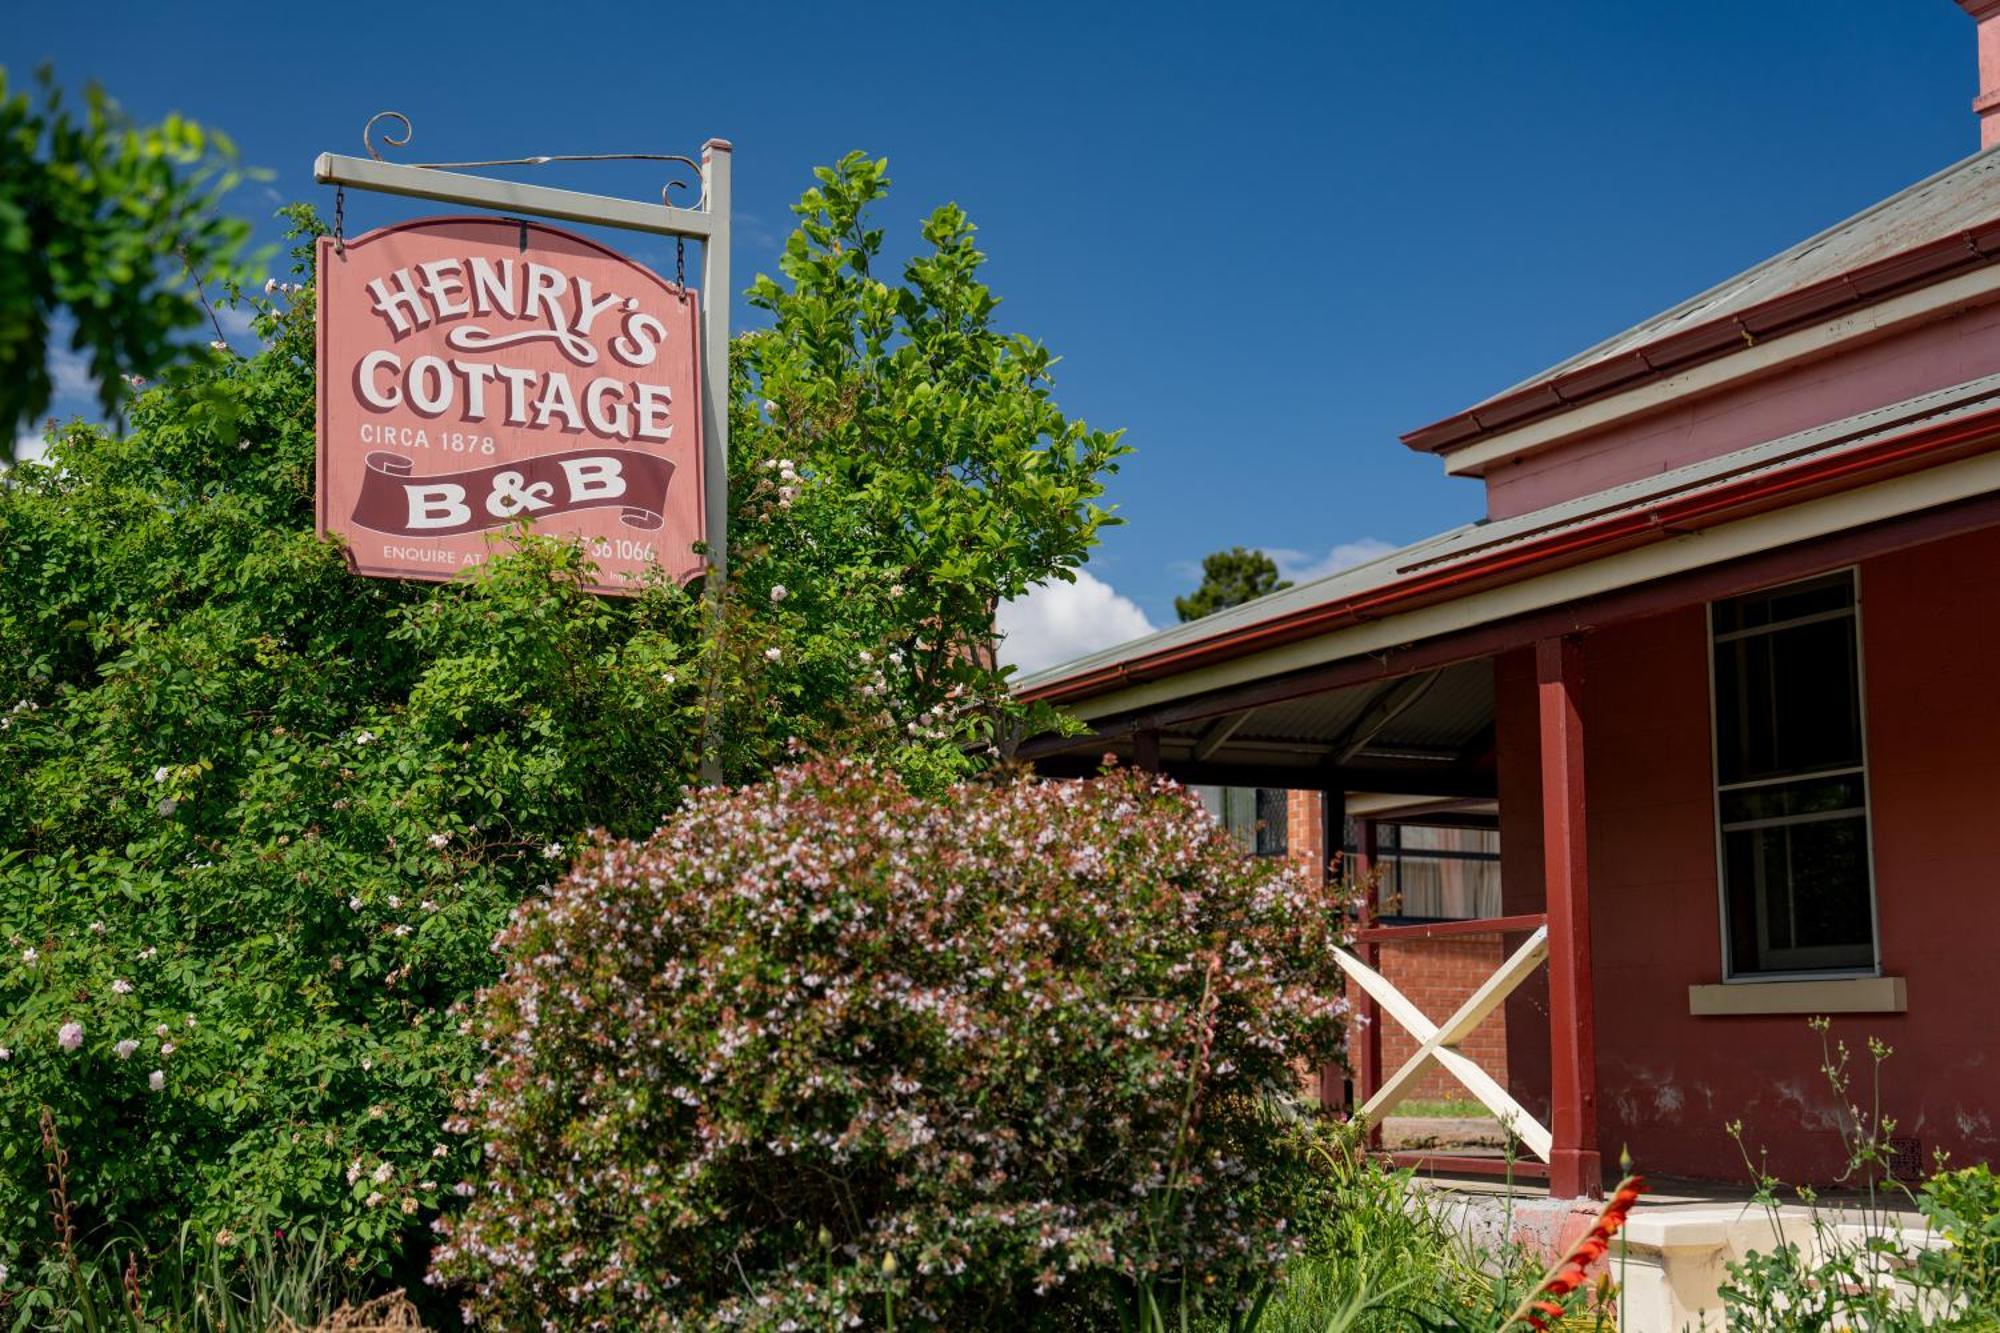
1667, 517
1869, 284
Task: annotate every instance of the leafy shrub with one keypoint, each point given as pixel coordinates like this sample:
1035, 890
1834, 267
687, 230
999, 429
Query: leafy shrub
200, 1283
995, 1054
260, 820
1963, 1206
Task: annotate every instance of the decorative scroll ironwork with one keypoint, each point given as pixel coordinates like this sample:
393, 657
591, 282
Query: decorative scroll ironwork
666, 191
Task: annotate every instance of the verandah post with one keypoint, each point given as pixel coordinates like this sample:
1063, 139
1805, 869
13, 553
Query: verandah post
1369, 1067
1575, 1170
1333, 1090
1146, 750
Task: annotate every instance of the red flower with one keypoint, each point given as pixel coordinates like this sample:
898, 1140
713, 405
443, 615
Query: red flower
1545, 1301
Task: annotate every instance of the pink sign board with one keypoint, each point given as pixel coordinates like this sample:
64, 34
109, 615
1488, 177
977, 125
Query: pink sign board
474, 372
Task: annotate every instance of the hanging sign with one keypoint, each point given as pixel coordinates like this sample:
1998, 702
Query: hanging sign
478, 372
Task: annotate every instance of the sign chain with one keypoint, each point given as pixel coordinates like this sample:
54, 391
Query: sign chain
681, 266
340, 220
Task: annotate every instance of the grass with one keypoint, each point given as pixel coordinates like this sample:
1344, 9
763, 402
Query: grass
1443, 1108
200, 1284
1391, 1261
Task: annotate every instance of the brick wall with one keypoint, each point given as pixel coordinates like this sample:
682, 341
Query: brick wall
1437, 975
1304, 837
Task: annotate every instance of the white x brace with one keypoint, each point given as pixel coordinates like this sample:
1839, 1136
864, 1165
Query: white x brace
1442, 1043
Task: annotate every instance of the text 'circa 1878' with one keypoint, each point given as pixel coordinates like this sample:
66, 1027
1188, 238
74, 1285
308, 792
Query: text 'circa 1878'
478, 372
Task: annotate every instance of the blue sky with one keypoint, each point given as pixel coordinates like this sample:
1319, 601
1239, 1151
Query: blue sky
1265, 238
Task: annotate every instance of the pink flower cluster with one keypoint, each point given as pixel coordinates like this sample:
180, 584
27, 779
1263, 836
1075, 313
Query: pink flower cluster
1028, 1038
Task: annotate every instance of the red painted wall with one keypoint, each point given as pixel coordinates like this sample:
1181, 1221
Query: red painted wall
1931, 356
1668, 1081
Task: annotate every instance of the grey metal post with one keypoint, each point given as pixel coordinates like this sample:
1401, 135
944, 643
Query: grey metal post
715, 295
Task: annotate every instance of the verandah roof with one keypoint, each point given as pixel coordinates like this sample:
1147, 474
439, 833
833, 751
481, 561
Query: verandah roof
1931, 450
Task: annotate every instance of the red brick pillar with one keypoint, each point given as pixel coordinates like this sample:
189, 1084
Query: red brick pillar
1305, 835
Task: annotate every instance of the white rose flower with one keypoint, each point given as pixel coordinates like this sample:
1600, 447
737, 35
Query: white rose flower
70, 1036
157, 1080
124, 1049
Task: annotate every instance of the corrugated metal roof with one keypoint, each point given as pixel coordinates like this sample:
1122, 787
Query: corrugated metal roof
1478, 540
1961, 196
1452, 714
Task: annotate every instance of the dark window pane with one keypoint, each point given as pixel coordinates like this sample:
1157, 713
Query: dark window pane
1798, 897
1787, 702
1273, 812
1774, 605
1794, 853
1438, 872
1810, 796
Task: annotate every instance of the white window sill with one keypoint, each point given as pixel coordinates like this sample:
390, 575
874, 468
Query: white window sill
1842, 995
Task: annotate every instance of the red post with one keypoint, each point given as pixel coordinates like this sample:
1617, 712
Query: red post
1574, 1167
1331, 807
1368, 1074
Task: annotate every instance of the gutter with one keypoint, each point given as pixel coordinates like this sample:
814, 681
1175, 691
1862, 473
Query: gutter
1576, 543
1663, 357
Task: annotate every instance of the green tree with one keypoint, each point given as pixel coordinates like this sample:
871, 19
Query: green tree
900, 467
261, 821
108, 224
1230, 578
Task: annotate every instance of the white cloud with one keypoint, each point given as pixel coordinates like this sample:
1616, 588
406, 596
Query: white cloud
69, 370
235, 320
1301, 566
1057, 622
28, 446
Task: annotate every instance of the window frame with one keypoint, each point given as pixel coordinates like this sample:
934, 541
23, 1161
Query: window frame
1873, 968
1392, 885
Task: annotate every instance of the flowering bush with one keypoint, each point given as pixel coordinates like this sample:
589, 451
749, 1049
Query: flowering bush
821, 1043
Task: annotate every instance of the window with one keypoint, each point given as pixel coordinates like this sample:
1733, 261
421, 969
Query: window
1257, 816
1790, 779
1435, 872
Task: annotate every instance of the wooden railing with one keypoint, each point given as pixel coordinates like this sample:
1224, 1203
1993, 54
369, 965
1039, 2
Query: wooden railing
1440, 1043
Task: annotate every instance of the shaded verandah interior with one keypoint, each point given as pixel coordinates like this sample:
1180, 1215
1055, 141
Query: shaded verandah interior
1420, 736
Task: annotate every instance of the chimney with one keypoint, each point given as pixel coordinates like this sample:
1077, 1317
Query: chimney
1986, 13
